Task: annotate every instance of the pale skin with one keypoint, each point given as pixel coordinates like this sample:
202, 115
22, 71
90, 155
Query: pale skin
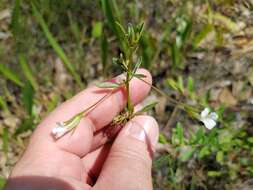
84, 159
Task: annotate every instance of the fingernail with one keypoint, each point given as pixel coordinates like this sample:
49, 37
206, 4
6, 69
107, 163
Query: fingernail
144, 128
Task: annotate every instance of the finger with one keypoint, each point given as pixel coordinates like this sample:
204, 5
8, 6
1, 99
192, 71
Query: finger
94, 161
102, 142
128, 165
101, 116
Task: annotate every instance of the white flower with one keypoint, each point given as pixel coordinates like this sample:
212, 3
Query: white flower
63, 127
208, 118
60, 130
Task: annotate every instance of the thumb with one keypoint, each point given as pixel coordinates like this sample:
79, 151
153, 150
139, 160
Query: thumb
128, 166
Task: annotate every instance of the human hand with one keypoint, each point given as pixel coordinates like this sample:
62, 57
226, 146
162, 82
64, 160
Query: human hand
84, 159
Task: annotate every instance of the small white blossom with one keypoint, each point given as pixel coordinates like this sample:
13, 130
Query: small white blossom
208, 118
63, 127
60, 130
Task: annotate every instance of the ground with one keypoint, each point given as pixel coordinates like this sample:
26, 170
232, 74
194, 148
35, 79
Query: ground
199, 54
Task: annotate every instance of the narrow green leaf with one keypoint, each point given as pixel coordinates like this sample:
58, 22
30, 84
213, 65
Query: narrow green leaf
3, 105
146, 108
190, 85
97, 29
10, 75
75, 29
141, 28
26, 125
53, 103
183, 32
104, 51
176, 55
162, 139
204, 152
180, 133
53, 42
117, 11
106, 5
121, 27
147, 48
112, 20
111, 85
202, 35
220, 157
15, 25
139, 76
250, 140
27, 71
172, 83
214, 173
180, 83
199, 137
231, 25
137, 65
27, 97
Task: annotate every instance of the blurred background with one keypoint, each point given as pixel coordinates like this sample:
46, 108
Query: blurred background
200, 52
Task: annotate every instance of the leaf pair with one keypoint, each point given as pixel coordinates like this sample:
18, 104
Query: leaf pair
133, 33
146, 108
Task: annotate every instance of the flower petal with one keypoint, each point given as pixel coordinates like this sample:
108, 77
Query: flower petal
205, 113
59, 131
209, 123
213, 116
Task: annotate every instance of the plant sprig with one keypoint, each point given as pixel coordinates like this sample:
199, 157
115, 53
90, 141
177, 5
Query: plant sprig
131, 37
130, 63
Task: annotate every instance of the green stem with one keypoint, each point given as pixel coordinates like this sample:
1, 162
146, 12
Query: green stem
90, 108
180, 105
130, 107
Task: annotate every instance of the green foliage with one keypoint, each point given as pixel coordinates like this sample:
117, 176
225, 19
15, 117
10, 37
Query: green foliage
10, 75
200, 36
28, 72
185, 153
110, 85
191, 87
3, 105
218, 145
176, 85
182, 33
147, 50
53, 103
27, 97
177, 135
27, 124
162, 139
146, 108
53, 42
104, 51
15, 25
97, 29
112, 14
186, 32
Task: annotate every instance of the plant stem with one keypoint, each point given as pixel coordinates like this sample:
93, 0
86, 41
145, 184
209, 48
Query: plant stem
128, 78
179, 104
90, 108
